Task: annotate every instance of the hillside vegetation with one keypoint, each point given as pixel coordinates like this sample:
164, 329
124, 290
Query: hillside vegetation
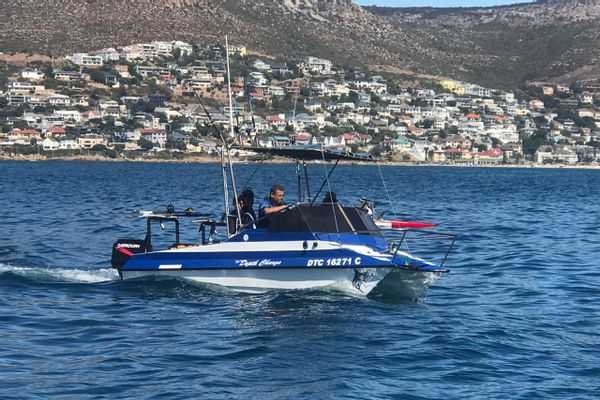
499, 46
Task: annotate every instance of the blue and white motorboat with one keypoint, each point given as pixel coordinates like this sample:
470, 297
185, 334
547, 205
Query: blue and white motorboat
307, 245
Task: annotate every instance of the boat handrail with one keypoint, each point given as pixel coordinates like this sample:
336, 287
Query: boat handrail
397, 244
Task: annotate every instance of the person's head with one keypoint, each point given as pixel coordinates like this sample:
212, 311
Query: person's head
276, 194
330, 197
246, 199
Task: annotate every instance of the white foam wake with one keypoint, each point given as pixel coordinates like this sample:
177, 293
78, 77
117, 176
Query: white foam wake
347, 288
63, 274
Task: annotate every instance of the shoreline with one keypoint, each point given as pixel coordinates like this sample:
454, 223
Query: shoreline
279, 160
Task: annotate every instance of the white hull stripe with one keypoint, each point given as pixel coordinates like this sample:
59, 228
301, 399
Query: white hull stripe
169, 266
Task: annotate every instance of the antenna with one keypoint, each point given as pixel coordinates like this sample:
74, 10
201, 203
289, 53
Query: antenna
231, 132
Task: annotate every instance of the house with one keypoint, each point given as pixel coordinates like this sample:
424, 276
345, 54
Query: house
454, 154
55, 131
162, 49
68, 144
122, 70
275, 91
130, 53
546, 154
184, 47
587, 98
300, 139
32, 74
277, 122
150, 70
399, 144
109, 54
314, 65
489, 157
156, 136
180, 137
72, 115
91, 140
24, 136
68, 76
108, 78
277, 141
85, 59
18, 87
458, 142
59, 100
261, 65
237, 50
292, 86
50, 144
80, 100
548, 90
312, 105
279, 67
364, 139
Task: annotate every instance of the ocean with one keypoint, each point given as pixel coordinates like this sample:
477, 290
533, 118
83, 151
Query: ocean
517, 317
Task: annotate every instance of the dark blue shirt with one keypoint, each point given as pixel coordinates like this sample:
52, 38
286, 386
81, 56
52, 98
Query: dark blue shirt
266, 203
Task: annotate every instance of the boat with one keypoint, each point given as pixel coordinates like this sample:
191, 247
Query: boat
307, 245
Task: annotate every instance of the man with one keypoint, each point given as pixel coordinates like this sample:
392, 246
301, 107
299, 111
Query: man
272, 204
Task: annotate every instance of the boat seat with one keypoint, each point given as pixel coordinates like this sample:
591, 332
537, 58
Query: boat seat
181, 245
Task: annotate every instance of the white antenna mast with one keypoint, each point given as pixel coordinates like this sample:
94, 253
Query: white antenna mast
232, 134
231, 130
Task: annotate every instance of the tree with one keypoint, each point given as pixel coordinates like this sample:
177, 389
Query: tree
174, 144
145, 144
533, 142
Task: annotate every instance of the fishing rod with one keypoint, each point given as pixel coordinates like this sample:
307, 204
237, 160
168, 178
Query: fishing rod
325, 181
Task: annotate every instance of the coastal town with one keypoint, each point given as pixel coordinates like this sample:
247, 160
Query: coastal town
143, 102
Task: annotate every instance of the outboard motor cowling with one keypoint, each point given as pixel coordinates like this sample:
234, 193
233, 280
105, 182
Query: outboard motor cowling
125, 248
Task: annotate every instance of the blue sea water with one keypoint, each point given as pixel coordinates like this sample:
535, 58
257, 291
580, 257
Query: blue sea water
518, 316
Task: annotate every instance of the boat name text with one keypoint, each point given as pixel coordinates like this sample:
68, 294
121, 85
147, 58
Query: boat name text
258, 263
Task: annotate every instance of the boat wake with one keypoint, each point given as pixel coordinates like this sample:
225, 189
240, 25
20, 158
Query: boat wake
66, 275
391, 290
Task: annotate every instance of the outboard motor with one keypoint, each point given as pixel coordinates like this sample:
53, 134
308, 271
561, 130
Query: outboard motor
125, 248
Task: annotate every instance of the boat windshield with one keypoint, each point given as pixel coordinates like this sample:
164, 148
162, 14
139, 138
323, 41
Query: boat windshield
323, 218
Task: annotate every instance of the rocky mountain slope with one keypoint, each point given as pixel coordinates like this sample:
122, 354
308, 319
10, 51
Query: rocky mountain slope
500, 46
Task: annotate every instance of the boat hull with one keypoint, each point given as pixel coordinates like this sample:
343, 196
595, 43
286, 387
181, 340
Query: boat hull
261, 280
383, 281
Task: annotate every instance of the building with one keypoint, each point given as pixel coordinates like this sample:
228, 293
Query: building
91, 140
156, 136
239, 50
85, 59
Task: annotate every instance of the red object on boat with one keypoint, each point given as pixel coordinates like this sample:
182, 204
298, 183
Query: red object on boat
403, 224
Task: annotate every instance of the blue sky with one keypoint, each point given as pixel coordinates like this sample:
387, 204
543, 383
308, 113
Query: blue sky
438, 3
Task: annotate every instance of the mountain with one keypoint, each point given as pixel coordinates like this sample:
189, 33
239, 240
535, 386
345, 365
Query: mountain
497, 46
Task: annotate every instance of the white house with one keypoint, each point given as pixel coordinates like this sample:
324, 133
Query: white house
85, 59
49, 144
32, 74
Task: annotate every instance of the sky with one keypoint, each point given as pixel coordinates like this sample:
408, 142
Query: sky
438, 3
